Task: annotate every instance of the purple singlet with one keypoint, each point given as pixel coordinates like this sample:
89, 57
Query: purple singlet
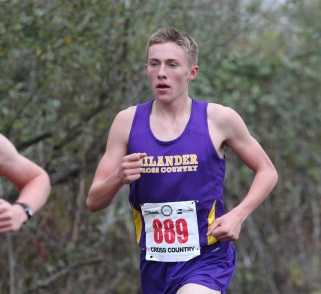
185, 170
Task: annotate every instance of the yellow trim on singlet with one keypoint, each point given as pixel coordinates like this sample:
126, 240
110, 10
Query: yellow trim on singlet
138, 223
211, 218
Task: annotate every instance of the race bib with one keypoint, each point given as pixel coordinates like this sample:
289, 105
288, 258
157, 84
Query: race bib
171, 231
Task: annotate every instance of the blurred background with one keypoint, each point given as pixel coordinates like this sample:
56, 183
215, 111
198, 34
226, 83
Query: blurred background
67, 67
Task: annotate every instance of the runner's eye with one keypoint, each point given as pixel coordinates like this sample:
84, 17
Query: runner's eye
173, 64
153, 63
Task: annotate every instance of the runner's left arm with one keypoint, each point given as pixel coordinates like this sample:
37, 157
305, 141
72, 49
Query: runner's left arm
237, 136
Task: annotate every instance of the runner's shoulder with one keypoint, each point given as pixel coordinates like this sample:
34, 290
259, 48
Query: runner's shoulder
220, 114
125, 117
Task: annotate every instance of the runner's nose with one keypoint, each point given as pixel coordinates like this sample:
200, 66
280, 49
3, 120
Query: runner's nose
162, 73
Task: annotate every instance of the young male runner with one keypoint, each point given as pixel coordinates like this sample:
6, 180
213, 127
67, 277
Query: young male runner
170, 151
32, 182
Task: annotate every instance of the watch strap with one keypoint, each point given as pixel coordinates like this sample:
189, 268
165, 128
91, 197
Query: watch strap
27, 209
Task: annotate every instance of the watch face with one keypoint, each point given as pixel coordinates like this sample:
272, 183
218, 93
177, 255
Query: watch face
28, 211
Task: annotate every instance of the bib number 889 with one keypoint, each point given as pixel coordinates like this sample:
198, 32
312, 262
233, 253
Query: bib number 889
168, 231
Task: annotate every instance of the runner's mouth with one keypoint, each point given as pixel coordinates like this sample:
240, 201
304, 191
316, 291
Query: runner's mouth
162, 86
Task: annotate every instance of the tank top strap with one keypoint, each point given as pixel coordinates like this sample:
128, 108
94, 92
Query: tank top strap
198, 120
140, 123
142, 114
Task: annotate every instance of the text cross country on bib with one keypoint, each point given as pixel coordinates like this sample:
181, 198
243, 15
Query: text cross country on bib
171, 231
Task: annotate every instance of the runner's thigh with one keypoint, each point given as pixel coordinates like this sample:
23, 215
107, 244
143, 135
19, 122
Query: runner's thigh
195, 288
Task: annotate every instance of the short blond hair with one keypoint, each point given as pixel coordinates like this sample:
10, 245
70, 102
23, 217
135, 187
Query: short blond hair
182, 39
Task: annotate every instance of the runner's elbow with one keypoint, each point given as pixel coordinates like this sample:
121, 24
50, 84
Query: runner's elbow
90, 204
94, 205
271, 173
275, 176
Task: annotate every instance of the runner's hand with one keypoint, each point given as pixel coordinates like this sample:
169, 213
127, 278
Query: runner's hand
131, 167
11, 217
226, 227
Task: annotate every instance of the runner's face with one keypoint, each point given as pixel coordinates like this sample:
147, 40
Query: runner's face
169, 71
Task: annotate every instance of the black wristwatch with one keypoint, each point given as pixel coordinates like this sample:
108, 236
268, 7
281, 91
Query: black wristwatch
27, 209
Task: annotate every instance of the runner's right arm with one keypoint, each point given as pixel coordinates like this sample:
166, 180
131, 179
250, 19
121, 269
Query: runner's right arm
115, 167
